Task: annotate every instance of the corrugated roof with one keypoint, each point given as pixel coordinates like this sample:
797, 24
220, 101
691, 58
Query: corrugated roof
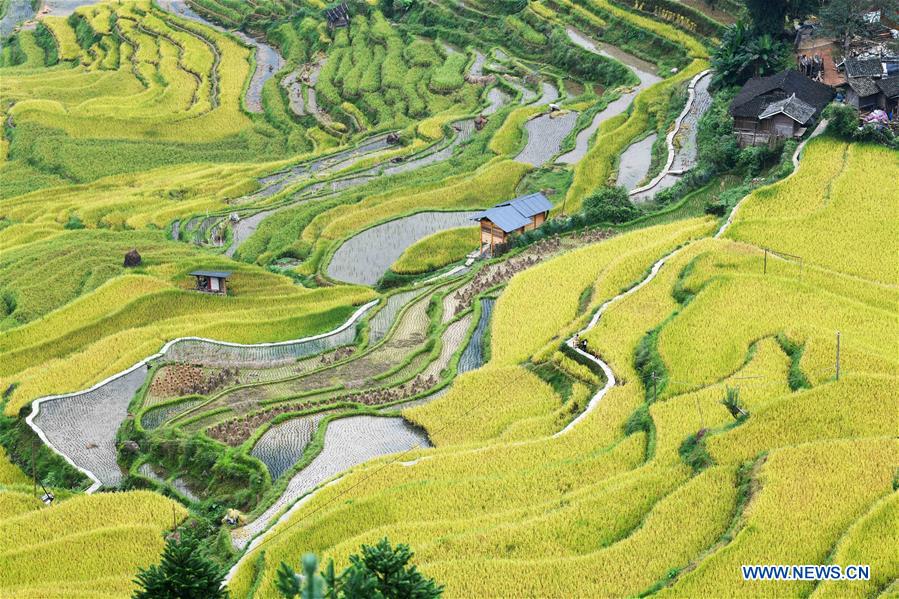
221, 274
793, 107
506, 218
530, 205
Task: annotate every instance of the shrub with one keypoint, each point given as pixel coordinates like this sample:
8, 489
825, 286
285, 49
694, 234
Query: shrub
610, 205
842, 120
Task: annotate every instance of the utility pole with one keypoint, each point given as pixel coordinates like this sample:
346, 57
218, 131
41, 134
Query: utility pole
33, 469
699, 409
654, 389
766, 261
838, 355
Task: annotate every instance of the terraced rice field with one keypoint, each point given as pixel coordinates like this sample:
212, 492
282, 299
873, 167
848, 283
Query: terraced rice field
348, 442
473, 356
635, 162
451, 342
364, 258
83, 426
592, 454
282, 445
684, 143
545, 134
641, 483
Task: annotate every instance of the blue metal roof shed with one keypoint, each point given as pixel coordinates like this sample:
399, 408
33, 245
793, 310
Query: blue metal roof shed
530, 205
506, 218
515, 214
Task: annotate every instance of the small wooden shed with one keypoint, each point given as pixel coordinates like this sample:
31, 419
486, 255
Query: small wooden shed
338, 15
513, 217
212, 281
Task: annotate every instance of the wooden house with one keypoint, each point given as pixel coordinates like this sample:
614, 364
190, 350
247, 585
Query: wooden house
510, 218
777, 107
862, 93
888, 99
212, 281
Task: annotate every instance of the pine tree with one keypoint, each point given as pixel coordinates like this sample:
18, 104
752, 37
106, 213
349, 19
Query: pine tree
185, 572
381, 572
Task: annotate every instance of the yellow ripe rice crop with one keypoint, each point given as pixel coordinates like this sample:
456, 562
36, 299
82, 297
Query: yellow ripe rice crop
112, 535
493, 182
575, 369
872, 540
10, 474
808, 496
711, 336
15, 503
64, 36
136, 200
507, 139
761, 381
124, 334
694, 47
617, 133
855, 407
162, 111
437, 250
522, 325
806, 214
625, 568
495, 397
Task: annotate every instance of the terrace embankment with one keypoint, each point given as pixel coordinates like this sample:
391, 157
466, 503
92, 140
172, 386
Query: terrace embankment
82, 426
682, 149
268, 60
644, 71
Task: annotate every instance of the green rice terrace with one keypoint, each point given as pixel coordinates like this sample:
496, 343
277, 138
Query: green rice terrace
522, 286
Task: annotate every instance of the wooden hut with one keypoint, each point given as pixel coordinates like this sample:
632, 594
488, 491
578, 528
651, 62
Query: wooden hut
513, 217
212, 281
338, 15
777, 107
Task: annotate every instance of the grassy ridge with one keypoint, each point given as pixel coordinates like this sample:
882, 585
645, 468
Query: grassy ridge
437, 250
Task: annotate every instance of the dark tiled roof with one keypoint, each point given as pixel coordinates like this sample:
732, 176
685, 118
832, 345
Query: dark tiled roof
530, 205
868, 67
759, 92
506, 218
793, 107
864, 86
889, 86
221, 274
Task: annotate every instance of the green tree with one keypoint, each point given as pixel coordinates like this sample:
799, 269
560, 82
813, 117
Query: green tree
765, 55
610, 205
728, 57
770, 16
845, 19
380, 572
743, 54
185, 572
